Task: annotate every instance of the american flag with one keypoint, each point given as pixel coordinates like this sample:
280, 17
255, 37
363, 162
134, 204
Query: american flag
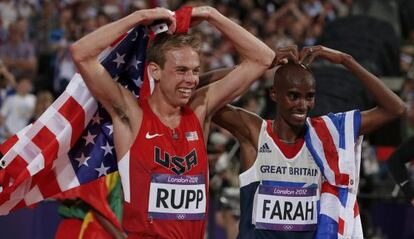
71, 143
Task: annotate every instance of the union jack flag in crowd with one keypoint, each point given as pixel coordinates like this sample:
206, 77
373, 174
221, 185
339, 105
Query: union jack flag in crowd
71, 143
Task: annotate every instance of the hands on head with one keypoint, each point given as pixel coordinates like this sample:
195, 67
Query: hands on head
307, 55
151, 16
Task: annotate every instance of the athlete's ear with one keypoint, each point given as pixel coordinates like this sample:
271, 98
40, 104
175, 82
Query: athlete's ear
154, 70
273, 93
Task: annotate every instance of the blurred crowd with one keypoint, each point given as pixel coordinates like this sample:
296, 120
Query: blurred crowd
36, 66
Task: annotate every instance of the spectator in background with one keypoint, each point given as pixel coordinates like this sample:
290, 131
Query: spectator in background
62, 36
8, 12
43, 100
102, 19
407, 54
407, 94
24, 27
112, 8
45, 20
3, 34
25, 8
18, 54
400, 162
18, 109
7, 83
397, 166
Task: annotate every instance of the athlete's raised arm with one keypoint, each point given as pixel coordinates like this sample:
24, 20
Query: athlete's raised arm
85, 53
257, 58
389, 105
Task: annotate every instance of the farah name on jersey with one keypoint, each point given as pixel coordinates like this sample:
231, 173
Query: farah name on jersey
293, 206
284, 210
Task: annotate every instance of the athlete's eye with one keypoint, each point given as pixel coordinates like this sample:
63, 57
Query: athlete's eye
196, 71
293, 96
181, 70
310, 96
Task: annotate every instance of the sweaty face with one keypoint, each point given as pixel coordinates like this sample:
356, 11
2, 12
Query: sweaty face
295, 97
179, 78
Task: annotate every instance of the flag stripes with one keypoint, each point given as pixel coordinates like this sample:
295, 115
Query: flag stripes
333, 143
71, 143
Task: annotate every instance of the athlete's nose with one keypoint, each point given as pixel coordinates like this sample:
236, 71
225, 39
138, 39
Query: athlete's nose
302, 105
191, 78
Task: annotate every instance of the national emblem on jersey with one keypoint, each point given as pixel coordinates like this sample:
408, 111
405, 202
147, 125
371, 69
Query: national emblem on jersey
178, 165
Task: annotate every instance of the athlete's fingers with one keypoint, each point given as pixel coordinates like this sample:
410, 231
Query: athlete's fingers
289, 52
309, 60
308, 55
173, 25
304, 53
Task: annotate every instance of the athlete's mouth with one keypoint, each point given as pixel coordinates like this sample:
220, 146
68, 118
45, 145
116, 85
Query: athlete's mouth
185, 91
301, 116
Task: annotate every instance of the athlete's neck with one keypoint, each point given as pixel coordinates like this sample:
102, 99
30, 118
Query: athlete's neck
168, 114
287, 133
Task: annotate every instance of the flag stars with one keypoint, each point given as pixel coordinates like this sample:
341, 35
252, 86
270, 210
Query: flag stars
111, 128
145, 34
107, 148
102, 170
89, 138
97, 119
138, 81
135, 62
82, 160
135, 37
119, 59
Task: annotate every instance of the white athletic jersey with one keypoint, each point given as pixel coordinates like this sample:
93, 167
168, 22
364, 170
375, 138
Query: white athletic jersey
279, 196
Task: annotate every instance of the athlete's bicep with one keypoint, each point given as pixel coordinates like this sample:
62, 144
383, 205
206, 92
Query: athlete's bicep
239, 122
373, 119
232, 85
109, 93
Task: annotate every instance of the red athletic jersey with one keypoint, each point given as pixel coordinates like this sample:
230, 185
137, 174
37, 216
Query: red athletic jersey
168, 178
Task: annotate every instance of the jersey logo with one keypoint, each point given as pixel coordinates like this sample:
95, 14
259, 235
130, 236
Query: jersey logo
150, 136
265, 149
179, 165
191, 136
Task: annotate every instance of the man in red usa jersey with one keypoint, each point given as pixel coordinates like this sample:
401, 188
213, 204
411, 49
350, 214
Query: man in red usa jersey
161, 140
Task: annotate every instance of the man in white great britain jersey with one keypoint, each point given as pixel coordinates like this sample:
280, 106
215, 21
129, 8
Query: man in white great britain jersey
281, 180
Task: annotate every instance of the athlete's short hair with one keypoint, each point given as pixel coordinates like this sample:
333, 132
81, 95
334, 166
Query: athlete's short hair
164, 42
283, 72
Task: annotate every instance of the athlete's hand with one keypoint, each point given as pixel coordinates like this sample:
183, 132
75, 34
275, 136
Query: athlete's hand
412, 202
201, 13
284, 54
308, 55
149, 16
